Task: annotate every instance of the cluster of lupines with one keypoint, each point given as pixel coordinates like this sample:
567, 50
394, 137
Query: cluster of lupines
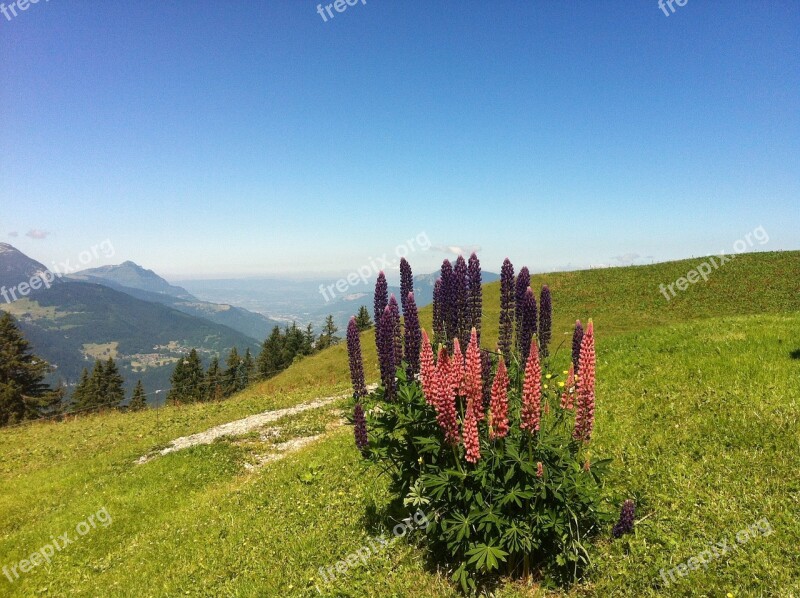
457, 301
626, 519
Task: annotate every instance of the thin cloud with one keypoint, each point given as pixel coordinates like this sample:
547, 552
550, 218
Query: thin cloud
35, 233
457, 249
627, 259
13, 233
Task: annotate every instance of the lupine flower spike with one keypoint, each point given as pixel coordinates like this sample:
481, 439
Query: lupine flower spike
473, 376
506, 308
446, 414
539, 469
356, 362
626, 518
475, 297
380, 303
545, 319
406, 284
498, 406
577, 337
457, 368
584, 417
360, 427
386, 351
412, 334
427, 370
397, 335
531, 414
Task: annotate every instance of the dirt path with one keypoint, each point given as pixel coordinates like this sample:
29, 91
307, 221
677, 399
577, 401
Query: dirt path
240, 427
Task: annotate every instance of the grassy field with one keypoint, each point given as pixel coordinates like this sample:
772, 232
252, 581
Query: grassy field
698, 405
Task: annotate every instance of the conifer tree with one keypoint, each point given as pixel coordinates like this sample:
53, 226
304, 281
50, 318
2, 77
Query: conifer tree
363, 321
230, 382
23, 393
187, 380
249, 367
112, 392
213, 383
139, 399
269, 360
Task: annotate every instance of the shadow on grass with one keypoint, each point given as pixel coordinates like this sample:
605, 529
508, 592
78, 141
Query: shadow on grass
795, 354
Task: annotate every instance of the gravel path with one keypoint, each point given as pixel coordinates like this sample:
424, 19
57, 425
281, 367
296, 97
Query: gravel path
240, 426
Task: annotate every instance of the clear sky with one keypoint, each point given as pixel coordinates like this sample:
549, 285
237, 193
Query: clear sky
242, 138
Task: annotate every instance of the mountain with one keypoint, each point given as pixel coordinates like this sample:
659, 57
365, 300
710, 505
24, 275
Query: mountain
18, 270
146, 285
133, 276
72, 323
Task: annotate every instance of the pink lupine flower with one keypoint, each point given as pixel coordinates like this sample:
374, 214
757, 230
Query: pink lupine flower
539, 469
457, 368
584, 418
472, 442
427, 370
498, 405
531, 414
446, 414
473, 376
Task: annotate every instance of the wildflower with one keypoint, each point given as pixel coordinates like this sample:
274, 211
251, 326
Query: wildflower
475, 298
506, 308
548, 376
545, 319
406, 284
531, 414
539, 469
457, 368
446, 414
412, 336
460, 300
381, 301
521, 287
356, 361
427, 370
446, 296
473, 379
396, 334
472, 442
438, 317
577, 337
584, 419
560, 384
626, 517
360, 428
568, 395
498, 417
386, 353
526, 323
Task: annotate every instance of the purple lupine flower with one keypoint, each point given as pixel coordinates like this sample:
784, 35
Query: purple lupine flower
386, 351
506, 308
413, 337
447, 312
360, 428
545, 319
460, 301
486, 372
381, 300
626, 517
475, 296
577, 337
526, 318
406, 282
438, 316
356, 362
397, 335
521, 285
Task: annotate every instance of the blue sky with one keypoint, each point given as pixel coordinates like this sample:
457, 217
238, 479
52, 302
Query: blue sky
211, 139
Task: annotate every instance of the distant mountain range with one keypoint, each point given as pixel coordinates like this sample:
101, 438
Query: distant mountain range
74, 322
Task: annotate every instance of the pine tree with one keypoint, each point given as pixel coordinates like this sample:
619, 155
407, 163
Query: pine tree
309, 339
249, 367
328, 337
213, 382
139, 400
269, 360
23, 393
81, 394
112, 393
229, 380
363, 321
89, 392
187, 380
177, 391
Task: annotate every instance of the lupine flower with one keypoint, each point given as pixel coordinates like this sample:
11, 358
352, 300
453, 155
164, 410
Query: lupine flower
626, 518
577, 337
360, 428
506, 308
526, 319
438, 312
428, 370
539, 469
381, 301
448, 317
545, 319
584, 416
531, 413
473, 376
397, 335
520, 286
386, 351
356, 362
568, 396
472, 442
498, 406
475, 296
406, 283
460, 300
446, 414
412, 335
457, 369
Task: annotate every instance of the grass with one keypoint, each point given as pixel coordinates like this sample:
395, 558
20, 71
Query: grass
697, 404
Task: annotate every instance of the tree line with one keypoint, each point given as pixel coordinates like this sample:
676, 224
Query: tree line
24, 394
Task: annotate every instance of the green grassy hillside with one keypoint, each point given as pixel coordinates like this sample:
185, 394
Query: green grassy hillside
698, 404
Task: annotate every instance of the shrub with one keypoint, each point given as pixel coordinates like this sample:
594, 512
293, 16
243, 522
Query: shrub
508, 488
